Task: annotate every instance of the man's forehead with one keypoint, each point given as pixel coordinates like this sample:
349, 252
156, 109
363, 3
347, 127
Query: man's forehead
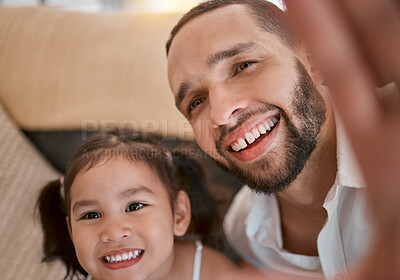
202, 37
205, 26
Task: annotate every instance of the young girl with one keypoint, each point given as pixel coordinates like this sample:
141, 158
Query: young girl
117, 214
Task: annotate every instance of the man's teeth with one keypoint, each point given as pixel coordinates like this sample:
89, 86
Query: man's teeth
261, 128
124, 257
250, 137
241, 143
255, 133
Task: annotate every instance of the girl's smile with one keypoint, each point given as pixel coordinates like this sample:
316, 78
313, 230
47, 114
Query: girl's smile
122, 258
122, 224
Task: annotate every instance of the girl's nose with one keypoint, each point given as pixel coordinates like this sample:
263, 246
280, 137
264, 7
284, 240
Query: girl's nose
114, 232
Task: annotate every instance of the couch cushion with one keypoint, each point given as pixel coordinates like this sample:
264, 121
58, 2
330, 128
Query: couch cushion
23, 171
64, 70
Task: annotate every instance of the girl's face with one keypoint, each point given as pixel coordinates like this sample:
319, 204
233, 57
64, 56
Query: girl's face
122, 224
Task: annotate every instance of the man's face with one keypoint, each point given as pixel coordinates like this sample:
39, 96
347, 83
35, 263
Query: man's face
252, 105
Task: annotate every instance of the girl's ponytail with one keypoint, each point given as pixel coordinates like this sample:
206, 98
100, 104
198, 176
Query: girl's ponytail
205, 219
57, 242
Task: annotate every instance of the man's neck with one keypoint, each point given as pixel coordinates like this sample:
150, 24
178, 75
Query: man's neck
311, 187
301, 205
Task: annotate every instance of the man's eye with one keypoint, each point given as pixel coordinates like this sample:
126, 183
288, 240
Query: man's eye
134, 206
243, 65
91, 215
195, 102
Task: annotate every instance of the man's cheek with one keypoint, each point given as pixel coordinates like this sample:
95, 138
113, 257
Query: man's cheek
203, 133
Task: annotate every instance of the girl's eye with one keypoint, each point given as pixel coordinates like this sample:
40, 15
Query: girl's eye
195, 102
91, 215
134, 206
243, 65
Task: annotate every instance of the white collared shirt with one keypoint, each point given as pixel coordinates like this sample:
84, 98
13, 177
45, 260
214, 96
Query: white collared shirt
253, 228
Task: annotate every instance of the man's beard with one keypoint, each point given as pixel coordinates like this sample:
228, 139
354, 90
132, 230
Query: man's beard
310, 109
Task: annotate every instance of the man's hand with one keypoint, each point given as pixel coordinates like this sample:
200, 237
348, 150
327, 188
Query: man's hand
356, 44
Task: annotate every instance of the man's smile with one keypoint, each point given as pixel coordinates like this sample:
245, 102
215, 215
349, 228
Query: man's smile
249, 137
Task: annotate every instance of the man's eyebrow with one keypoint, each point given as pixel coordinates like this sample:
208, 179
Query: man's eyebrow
133, 191
181, 93
212, 61
231, 52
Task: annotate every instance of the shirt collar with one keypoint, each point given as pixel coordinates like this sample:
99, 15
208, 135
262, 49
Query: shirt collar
264, 214
349, 173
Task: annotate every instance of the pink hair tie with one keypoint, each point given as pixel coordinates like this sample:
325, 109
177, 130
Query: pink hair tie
62, 186
169, 156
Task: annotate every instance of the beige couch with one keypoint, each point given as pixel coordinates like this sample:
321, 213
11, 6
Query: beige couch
64, 70
60, 70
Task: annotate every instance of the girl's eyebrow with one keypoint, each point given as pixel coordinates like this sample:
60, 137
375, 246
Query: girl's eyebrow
120, 195
83, 203
133, 191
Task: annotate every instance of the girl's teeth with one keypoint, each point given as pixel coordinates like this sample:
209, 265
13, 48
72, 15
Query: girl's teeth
136, 253
249, 137
242, 143
261, 129
124, 257
267, 127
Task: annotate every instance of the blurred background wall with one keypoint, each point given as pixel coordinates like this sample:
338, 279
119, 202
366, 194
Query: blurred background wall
111, 5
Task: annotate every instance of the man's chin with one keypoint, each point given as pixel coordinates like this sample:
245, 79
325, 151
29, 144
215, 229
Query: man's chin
256, 178
261, 184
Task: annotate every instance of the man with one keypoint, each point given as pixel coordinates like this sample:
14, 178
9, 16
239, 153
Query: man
258, 106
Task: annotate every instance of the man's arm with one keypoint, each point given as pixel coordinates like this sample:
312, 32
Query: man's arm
356, 45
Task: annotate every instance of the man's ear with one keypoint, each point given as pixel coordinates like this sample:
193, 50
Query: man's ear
307, 59
182, 213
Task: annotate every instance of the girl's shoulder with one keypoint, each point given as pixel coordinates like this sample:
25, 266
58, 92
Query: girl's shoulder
215, 265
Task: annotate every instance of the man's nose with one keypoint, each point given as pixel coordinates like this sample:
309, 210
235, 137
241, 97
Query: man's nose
226, 104
114, 231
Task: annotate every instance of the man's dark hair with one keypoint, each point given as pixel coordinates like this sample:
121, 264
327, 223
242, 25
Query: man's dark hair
269, 17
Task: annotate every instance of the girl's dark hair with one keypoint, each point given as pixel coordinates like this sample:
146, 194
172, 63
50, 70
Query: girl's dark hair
177, 171
268, 17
